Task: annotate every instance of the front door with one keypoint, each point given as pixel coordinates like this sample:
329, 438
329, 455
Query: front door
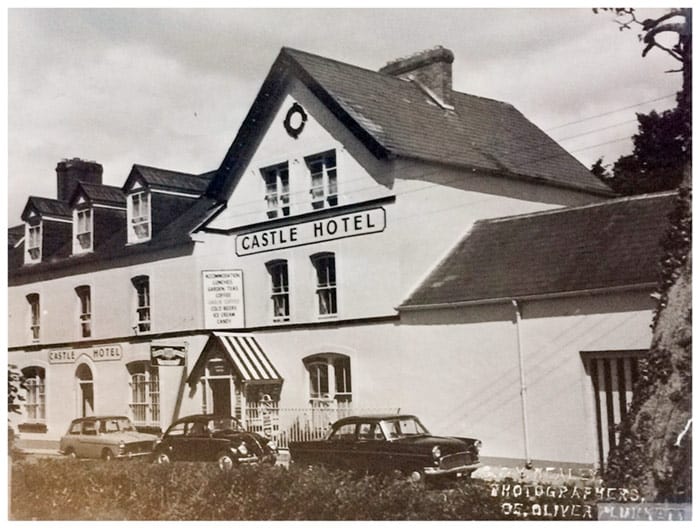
221, 396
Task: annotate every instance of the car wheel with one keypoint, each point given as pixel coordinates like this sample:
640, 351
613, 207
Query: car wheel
107, 454
416, 476
162, 458
70, 453
226, 461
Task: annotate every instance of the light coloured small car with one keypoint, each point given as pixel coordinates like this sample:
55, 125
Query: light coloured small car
105, 437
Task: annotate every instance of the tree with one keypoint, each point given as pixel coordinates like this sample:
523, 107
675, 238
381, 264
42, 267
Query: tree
663, 144
15, 389
654, 452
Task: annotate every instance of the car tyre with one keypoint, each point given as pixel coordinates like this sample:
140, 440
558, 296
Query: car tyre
70, 453
107, 454
226, 461
162, 458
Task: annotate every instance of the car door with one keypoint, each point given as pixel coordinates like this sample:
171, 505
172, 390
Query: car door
340, 447
370, 447
89, 445
174, 440
198, 442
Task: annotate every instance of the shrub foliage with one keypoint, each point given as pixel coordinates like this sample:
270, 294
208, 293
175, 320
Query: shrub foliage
61, 489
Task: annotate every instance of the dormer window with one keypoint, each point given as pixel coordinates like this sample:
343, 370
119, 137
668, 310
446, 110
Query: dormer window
82, 223
277, 190
139, 217
33, 238
324, 180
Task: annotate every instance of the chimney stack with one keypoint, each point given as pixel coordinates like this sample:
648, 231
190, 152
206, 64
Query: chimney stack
70, 172
431, 69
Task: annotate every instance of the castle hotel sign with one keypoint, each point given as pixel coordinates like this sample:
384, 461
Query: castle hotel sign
312, 232
99, 353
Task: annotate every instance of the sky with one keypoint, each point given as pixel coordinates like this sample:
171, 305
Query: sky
170, 87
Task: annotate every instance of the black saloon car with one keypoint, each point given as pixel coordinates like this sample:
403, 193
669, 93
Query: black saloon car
205, 437
389, 443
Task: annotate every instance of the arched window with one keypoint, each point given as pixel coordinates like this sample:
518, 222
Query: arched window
35, 399
144, 393
329, 377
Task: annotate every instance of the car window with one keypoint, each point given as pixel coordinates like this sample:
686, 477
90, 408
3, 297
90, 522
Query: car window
125, 424
89, 428
109, 426
197, 429
369, 431
75, 428
344, 432
224, 424
177, 430
402, 427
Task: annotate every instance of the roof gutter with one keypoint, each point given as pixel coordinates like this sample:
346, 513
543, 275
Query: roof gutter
533, 297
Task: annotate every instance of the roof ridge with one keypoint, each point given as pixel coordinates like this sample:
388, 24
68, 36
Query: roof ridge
166, 170
558, 210
384, 75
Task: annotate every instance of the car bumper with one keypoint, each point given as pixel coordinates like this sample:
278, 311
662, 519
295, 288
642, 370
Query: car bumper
134, 455
457, 472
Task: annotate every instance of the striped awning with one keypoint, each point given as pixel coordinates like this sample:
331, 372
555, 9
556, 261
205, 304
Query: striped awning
247, 357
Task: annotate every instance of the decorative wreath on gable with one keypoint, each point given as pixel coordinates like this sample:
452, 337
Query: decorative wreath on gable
292, 130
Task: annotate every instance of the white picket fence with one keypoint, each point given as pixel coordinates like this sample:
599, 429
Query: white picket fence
285, 425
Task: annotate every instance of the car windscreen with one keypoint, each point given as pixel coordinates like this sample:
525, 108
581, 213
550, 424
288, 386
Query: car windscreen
115, 425
224, 424
403, 427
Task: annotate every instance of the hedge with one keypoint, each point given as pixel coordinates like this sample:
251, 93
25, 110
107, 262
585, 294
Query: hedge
62, 489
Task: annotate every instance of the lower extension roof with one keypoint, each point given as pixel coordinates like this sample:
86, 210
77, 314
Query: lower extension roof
608, 245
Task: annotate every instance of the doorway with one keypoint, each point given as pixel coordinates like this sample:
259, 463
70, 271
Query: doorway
85, 392
221, 395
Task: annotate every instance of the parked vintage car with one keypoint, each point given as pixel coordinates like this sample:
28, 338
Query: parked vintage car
105, 437
205, 437
389, 443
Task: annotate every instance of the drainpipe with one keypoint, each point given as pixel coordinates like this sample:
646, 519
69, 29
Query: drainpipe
523, 386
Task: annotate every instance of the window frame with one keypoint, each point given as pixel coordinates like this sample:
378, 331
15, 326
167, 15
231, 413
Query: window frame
326, 284
279, 289
276, 179
140, 226
322, 373
34, 237
35, 394
84, 294
34, 300
324, 180
142, 301
144, 394
86, 234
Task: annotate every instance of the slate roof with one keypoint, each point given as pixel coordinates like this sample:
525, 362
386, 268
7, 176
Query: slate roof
103, 194
172, 180
48, 206
395, 117
176, 234
15, 234
607, 245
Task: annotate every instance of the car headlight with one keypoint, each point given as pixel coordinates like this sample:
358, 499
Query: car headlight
477, 445
272, 445
243, 449
122, 447
436, 452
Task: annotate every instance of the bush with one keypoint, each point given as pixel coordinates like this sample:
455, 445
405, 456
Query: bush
61, 489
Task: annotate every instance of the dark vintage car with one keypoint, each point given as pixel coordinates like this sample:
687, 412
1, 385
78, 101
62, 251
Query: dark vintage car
206, 437
389, 443
105, 437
